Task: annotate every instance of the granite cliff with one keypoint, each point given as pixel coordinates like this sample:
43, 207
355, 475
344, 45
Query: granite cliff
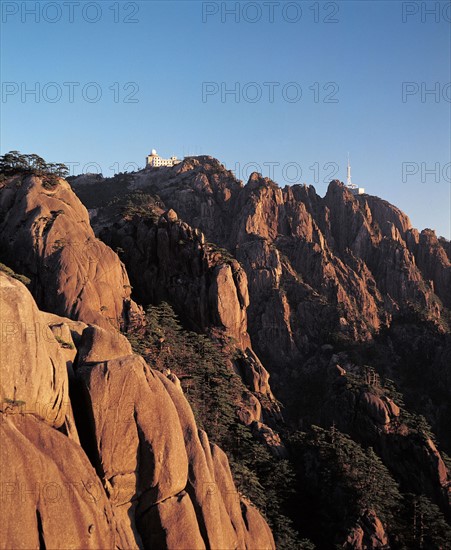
220, 365
100, 450
337, 286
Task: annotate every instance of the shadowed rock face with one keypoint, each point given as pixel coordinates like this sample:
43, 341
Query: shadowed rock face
156, 473
368, 533
342, 264
159, 482
164, 479
168, 260
371, 416
45, 234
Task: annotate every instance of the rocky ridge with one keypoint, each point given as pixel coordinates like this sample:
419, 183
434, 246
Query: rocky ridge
46, 235
87, 412
340, 272
157, 479
348, 264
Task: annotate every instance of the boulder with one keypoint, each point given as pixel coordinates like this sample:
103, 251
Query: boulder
251, 409
212, 489
369, 532
225, 297
76, 327
272, 439
51, 496
98, 344
173, 524
376, 408
258, 534
45, 233
201, 484
138, 438
34, 376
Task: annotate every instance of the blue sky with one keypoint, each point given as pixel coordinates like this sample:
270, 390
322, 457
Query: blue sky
161, 71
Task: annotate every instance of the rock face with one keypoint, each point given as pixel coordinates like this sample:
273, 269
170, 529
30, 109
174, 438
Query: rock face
50, 491
356, 402
432, 258
169, 260
306, 288
33, 370
45, 234
341, 270
163, 479
368, 533
51, 497
157, 482
343, 264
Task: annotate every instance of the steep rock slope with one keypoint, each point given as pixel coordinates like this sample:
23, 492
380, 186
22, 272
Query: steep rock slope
340, 265
52, 493
342, 272
157, 467
168, 260
323, 286
144, 470
166, 484
358, 402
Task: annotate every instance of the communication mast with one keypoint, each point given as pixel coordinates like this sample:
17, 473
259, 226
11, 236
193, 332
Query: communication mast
355, 189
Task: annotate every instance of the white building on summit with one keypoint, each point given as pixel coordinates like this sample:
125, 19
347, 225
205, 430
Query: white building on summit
154, 160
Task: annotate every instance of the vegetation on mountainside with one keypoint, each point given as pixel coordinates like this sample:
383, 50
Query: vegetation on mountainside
103, 192
411, 361
336, 507
424, 524
416, 355
114, 195
8, 271
329, 481
338, 482
215, 392
14, 162
141, 204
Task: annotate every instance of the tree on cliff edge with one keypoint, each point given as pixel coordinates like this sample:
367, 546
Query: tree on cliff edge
15, 162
